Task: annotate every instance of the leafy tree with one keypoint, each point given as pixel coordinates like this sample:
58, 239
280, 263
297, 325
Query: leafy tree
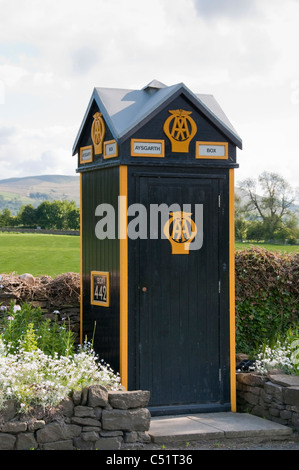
44, 215
6, 218
273, 208
73, 219
27, 215
60, 215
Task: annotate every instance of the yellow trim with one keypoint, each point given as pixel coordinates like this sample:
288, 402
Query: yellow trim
99, 302
206, 157
81, 264
148, 141
232, 289
123, 185
108, 142
89, 147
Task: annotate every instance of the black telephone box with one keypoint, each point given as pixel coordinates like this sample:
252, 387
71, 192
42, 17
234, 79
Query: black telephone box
157, 243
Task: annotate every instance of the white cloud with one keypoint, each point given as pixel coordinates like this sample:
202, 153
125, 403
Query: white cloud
53, 55
228, 8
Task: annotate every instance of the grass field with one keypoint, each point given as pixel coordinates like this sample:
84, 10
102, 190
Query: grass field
41, 254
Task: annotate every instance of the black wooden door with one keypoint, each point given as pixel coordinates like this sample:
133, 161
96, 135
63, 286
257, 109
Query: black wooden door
178, 326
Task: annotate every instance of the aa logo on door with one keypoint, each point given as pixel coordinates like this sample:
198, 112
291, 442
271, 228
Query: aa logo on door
180, 128
180, 230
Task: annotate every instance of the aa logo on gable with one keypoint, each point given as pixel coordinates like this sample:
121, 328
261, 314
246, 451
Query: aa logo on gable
98, 133
180, 128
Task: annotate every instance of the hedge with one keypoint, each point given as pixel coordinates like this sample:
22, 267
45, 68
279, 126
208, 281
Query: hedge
267, 291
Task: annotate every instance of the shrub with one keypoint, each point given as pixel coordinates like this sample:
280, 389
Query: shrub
267, 287
50, 336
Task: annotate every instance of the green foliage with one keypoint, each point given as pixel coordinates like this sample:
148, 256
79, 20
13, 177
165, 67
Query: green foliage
27, 328
60, 215
267, 288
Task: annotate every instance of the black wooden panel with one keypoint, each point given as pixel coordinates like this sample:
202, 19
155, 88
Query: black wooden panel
100, 187
181, 322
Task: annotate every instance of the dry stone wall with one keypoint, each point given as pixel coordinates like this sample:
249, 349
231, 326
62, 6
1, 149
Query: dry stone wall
92, 419
274, 397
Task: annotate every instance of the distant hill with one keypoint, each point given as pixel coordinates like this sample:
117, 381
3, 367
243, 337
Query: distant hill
15, 192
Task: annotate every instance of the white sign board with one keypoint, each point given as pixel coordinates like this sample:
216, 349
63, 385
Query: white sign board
147, 148
110, 149
212, 150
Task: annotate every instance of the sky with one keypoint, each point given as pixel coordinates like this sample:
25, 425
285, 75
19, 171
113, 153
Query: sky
53, 54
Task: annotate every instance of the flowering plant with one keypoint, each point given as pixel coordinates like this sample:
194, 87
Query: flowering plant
34, 374
279, 356
33, 378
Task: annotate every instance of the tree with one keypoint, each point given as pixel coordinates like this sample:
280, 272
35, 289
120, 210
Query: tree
273, 208
56, 215
44, 215
73, 219
27, 215
6, 219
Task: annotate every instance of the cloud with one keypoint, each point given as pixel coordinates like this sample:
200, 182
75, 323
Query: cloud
6, 134
227, 8
84, 58
51, 57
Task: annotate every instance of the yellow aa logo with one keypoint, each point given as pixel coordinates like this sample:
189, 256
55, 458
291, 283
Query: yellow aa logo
180, 230
98, 133
180, 128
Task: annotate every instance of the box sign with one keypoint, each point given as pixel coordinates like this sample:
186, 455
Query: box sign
147, 148
110, 149
217, 150
100, 291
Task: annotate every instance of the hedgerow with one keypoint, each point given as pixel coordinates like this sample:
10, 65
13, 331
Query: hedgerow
267, 291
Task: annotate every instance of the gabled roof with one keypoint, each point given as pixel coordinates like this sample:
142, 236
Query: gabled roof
127, 110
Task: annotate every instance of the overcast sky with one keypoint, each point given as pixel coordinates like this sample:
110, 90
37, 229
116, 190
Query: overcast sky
53, 53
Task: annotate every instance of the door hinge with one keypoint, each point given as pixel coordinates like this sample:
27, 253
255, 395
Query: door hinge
219, 375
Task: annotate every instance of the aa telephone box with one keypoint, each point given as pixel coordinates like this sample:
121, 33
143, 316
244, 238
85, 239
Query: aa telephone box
157, 243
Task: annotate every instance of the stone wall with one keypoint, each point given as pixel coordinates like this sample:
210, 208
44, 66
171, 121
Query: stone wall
93, 419
274, 397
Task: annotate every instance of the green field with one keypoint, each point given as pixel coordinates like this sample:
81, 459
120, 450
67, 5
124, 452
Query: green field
41, 254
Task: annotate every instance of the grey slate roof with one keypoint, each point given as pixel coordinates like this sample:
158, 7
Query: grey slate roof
126, 110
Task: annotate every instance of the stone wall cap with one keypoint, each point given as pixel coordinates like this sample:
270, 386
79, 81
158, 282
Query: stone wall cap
284, 380
249, 378
129, 399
